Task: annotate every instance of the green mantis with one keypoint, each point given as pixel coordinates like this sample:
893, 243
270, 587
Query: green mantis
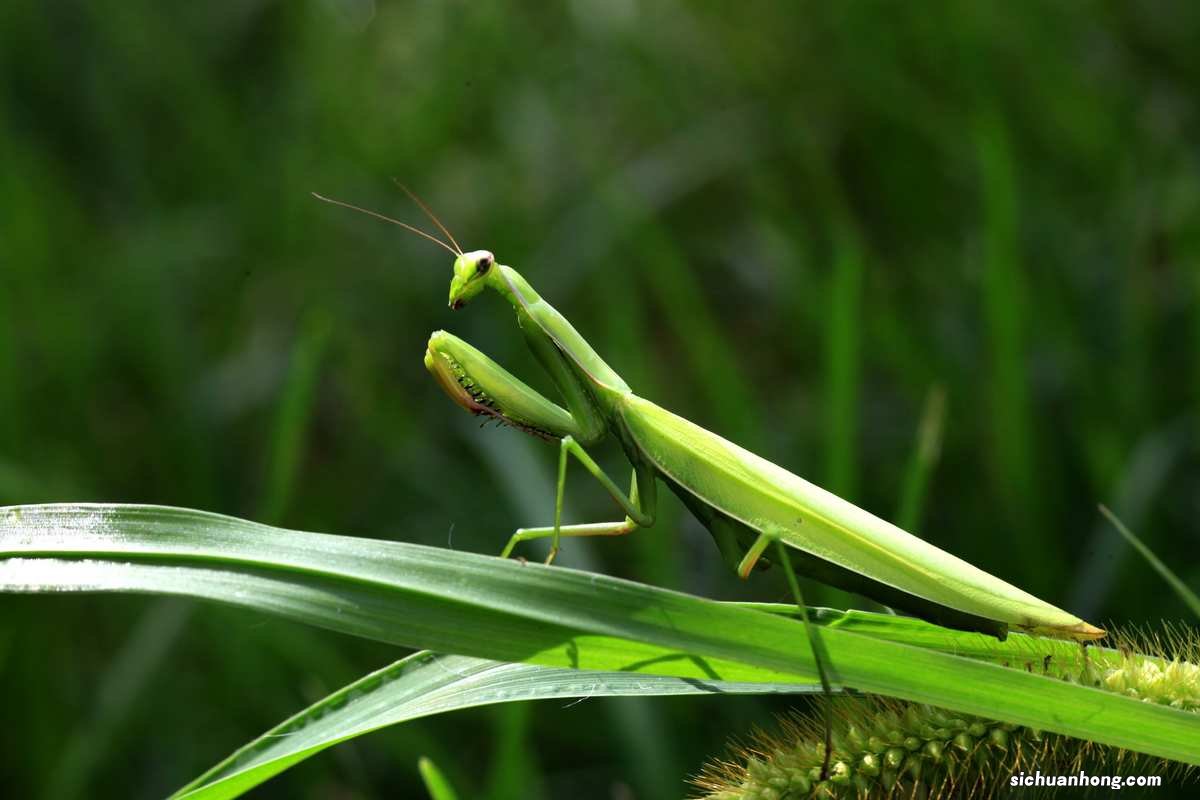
746, 502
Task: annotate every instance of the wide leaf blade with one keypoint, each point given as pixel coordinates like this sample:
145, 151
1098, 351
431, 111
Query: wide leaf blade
422, 685
490, 608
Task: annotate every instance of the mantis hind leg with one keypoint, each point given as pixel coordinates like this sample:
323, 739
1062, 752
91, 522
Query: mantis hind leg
728, 532
820, 656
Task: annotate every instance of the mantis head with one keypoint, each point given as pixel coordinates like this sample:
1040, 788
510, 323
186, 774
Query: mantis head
471, 271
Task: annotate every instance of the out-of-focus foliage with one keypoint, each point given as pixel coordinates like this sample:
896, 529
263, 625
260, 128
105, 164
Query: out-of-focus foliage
786, 221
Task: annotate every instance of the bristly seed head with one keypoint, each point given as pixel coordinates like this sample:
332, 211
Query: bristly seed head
889, 748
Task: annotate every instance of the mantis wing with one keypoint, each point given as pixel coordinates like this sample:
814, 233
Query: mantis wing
765, 497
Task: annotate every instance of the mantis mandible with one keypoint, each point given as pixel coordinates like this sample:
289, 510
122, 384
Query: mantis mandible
746, 502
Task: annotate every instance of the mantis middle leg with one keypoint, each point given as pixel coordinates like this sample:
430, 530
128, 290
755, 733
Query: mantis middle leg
639, 505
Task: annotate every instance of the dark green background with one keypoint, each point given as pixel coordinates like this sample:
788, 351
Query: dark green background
786, 221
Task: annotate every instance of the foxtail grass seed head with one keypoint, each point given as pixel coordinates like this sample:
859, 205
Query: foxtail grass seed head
887, 748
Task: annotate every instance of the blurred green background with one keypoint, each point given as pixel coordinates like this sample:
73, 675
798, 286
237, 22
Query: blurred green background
790, 222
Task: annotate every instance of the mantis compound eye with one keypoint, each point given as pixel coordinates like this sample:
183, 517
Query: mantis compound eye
483, 264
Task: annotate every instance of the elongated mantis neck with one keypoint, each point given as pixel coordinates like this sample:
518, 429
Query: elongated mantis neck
554, 340
512, 286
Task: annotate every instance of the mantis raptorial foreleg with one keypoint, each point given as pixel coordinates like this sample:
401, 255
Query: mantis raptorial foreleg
483, 387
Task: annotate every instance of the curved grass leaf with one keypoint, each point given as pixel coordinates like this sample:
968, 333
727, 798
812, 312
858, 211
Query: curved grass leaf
1178, 586
436, 783
426, 683
502, 610
422, 685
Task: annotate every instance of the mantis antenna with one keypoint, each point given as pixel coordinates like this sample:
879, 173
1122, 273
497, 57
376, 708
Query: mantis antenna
412, 195
453, 250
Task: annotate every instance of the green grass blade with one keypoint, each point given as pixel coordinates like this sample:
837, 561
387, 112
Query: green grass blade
1005, 303
924, 459
1187, 595
120, 690
428, 683
292, 417
843, 365
435, 782
422, 685
712, 361
514, 771
491, 608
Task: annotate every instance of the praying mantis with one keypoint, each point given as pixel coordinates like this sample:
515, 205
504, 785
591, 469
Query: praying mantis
746, 502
